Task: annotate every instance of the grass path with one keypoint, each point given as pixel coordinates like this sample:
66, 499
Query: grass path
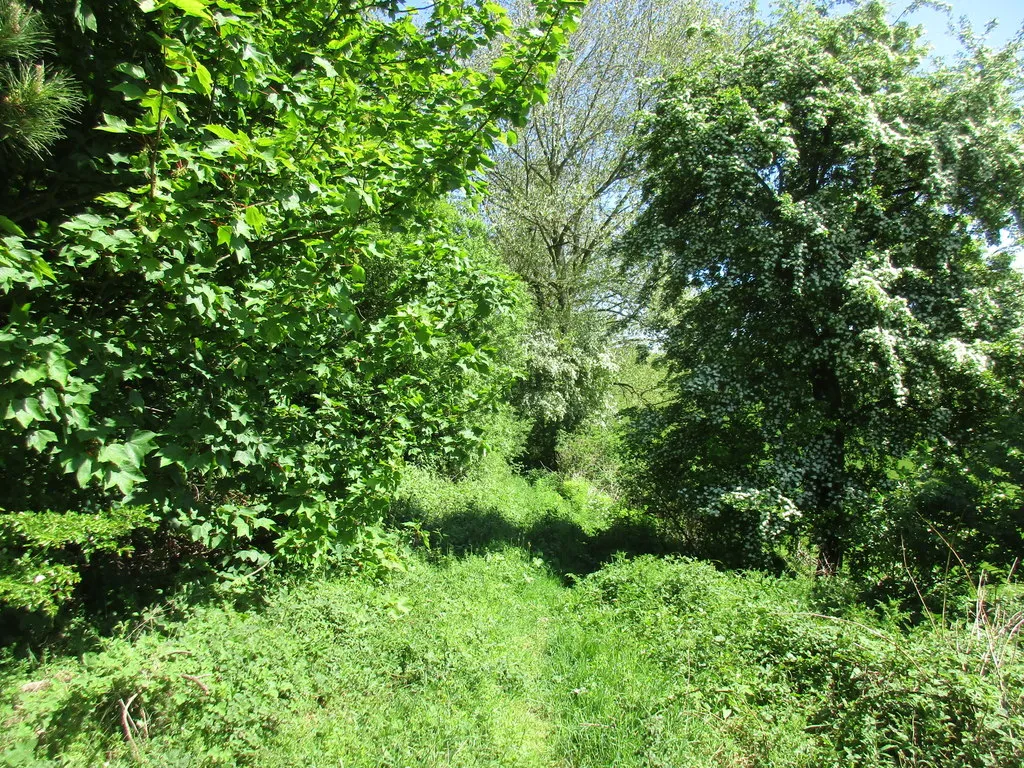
474, 661
445, 666
460, 676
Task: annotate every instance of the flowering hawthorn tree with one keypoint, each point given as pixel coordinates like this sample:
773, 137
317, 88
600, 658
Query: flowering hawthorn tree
823, 217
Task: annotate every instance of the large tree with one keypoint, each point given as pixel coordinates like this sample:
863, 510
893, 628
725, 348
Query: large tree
569, 184
560, 193
824, 215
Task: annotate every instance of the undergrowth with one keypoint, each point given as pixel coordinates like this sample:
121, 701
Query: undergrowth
574, 526
522, 630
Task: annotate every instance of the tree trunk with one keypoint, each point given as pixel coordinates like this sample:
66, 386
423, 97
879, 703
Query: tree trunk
831, 521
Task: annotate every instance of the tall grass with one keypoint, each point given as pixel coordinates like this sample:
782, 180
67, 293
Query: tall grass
520, 638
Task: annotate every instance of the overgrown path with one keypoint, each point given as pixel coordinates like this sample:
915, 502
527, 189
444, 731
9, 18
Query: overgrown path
445, 664
451, 672
484, 659
492, 654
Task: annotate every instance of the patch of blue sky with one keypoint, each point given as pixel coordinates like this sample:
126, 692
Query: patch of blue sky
942, 21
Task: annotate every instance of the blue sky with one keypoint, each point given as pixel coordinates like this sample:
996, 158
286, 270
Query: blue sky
1010, 14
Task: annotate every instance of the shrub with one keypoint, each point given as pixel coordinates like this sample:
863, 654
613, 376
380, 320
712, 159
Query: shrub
260, 309
41, 553
870, 693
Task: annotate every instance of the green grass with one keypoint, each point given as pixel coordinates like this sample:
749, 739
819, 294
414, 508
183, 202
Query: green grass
520, 639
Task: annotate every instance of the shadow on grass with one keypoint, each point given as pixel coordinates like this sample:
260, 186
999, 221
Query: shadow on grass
561, 542
167, 578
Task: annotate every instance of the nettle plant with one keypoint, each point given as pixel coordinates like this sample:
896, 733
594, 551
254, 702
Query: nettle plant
210, 340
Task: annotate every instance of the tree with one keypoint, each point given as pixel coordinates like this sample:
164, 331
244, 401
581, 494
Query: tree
34, 102
92, 44
251, 335
567, 184
822, 214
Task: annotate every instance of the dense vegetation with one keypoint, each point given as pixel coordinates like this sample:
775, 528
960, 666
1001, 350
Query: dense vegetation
821, 220
266, 310
631, 383
481, 650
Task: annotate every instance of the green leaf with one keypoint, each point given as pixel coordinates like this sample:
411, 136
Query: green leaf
10, 227
57, 369
244, 457
141, 440
30, 375
84, 17
49, 400
124, 480
327, 67
222, 132
27, 410
113, 124
39, 439
224, 234
172, 454
131, 91
192, 8
84, 471
205, 79
254, 218
117, 454
271, 331
502, 63
357, 274
353, 201
132, 70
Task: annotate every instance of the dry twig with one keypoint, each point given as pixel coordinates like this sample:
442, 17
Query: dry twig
127, 723
202, 686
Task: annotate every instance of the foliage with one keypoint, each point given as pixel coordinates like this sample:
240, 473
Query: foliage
567, 185
505, 436
253, 335
491, 657
337, 669
494, 506
34, 101
952, 506
490, 426
594, 451
89, 43
823, 215
793, 686
567, 378
573, 524
41, 552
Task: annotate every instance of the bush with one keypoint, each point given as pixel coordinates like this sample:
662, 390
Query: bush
566, 381
42, 553
869, 694
260, 308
